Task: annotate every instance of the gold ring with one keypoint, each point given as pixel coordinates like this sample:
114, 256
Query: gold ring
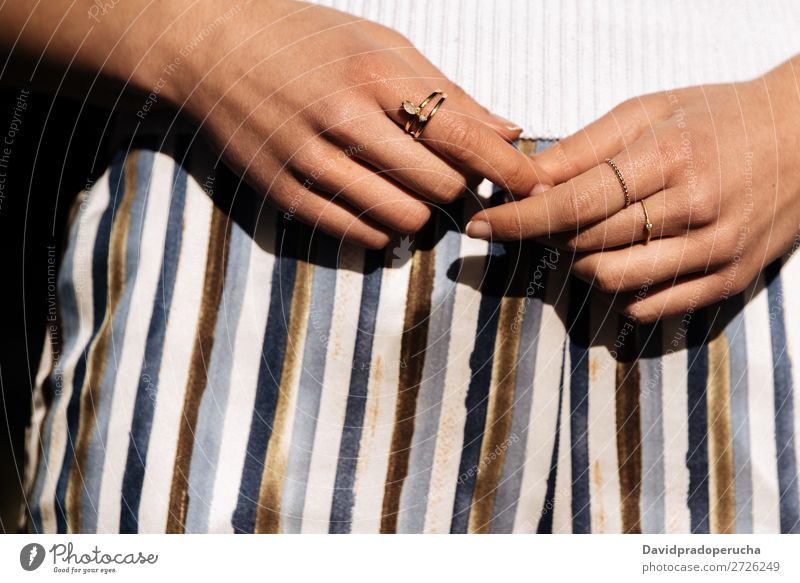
422, 119
418, 119
415, 110
648, 226
621, 179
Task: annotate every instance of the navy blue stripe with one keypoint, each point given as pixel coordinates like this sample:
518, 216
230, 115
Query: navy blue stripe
784, 404
343, 495
545, 525
99, 300
269, 376
93, 471
697, 454
147, 389
736, 331
67, 326
477, 400
579, 340
508, 490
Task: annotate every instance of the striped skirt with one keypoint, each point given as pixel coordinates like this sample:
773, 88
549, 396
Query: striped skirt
214, 366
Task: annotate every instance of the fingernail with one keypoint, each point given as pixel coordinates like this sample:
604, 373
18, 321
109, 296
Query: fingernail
479, 230
507, 123
540, 188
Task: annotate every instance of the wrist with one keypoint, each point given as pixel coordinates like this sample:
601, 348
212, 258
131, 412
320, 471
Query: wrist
210, 44
783, 88
149, 58
151, 49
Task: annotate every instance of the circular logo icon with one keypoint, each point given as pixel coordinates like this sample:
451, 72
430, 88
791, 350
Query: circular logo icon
31, 556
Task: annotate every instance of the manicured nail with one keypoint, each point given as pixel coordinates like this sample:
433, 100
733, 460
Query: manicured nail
507, 123
540, 188
479, 230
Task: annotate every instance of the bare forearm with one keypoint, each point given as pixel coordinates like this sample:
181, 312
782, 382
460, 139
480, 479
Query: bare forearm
66, 45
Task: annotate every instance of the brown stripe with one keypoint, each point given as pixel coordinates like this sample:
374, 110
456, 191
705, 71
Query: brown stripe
629, 434
216, 259
722, 492
272, 478
527, 147
96, 363
412, 363
501, 394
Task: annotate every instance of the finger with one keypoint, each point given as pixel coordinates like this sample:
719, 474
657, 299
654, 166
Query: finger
429, 74
372, 193
667, 213
468, 143
386, 147
604, 137
330, 216
668, 300
505, 128
593, 196
628, 269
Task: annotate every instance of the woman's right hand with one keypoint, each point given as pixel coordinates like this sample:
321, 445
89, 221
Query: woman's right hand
305, 103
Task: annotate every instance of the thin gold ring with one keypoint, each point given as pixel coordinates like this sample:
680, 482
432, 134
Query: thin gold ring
648, 225
422, 120
416, 110
621, 179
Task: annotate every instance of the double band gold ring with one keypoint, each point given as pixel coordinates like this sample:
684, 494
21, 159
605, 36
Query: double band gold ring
419, 119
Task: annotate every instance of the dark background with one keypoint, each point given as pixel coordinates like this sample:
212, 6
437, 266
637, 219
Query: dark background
52, 156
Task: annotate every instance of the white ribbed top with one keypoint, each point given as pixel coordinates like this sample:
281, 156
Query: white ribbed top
553, 66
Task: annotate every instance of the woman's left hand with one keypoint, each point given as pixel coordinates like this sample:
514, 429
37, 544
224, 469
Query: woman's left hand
718, 168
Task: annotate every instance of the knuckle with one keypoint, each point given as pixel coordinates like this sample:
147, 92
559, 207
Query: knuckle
338, 113
307, 164
631, 310
411, 218
510, 226
449, 190
462, 138
671, 154
739, 283
606, 281
731, 283
723, 284
704, 206
348, 131
580, 241
639, 312
518, 177
725, 246
374, 240
557, 156
572, 205
440, 187
573, 243
625, 108
388, 33
329, 118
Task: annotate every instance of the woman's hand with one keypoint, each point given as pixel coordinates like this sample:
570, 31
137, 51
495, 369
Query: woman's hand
718, 168
303, 101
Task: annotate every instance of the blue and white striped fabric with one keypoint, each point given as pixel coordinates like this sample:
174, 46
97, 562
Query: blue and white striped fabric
217, 368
